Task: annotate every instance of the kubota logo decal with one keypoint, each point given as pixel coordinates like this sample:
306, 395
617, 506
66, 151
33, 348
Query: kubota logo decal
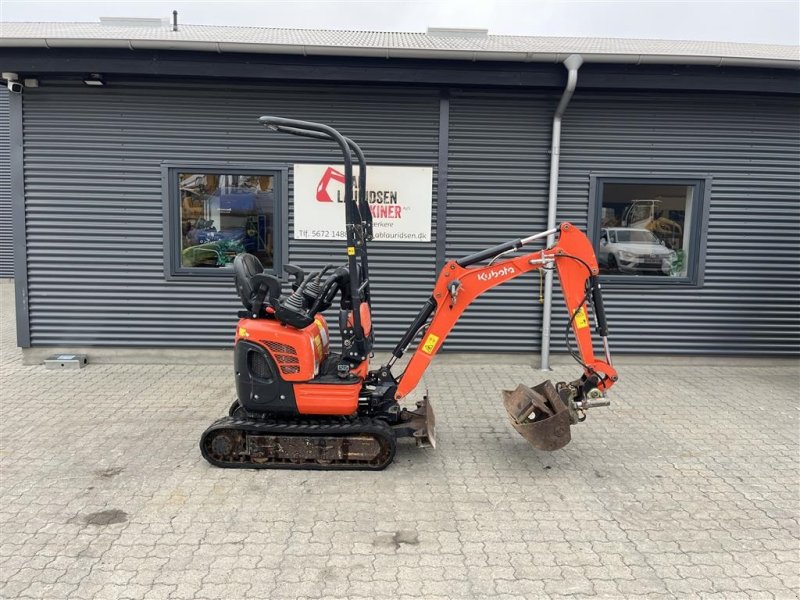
508, 270
330, 174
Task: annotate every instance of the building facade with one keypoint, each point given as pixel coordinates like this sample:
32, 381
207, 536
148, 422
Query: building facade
130, 196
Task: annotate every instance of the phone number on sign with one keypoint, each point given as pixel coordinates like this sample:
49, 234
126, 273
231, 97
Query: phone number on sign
321, 234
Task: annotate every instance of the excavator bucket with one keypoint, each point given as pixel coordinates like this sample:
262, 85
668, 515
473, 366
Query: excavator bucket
539, 415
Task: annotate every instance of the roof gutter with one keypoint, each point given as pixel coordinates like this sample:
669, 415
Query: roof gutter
437, 54
572, 63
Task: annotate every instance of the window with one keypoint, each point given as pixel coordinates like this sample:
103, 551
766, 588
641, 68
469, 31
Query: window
649, 229
213, 214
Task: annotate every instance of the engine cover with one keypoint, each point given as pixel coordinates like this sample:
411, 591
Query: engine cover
259, 385
269, 357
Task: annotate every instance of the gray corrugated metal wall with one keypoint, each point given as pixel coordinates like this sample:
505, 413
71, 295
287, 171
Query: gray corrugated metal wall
749, 145
94, 208
6, 242
497, 190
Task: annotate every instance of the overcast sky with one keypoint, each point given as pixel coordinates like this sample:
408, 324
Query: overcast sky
776, 22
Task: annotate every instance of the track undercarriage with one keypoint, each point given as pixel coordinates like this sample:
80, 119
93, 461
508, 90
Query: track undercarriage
257, 441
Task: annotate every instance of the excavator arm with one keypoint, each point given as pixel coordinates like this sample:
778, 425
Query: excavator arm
542, 414
460, 282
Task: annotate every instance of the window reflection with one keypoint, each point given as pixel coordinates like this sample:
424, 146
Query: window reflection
644, 229
223, 215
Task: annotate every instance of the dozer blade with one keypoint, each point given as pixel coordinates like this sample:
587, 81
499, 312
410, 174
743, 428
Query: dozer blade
419, 424
539, 415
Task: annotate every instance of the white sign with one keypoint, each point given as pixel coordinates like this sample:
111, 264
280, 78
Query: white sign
400, 199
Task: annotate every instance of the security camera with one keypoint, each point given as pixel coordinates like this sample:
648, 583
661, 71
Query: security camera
12, 82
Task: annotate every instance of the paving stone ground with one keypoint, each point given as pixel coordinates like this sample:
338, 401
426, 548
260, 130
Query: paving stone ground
686, 488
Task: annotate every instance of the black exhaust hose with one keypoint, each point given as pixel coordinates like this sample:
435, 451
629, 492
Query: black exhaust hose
488, 253
599, 309
420, 320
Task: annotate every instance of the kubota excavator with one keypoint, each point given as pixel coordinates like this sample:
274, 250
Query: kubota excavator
301, 406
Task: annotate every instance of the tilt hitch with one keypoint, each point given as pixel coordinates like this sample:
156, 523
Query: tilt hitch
543, 414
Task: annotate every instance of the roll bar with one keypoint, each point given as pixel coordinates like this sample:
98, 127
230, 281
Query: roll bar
324, 134
366, 219
354, 212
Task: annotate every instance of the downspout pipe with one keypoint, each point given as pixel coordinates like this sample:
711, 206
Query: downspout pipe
572, 63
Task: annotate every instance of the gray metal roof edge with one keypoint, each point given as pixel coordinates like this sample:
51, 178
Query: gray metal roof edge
394, 52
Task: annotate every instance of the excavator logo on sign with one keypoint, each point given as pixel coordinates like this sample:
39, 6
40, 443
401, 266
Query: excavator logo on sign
330, 174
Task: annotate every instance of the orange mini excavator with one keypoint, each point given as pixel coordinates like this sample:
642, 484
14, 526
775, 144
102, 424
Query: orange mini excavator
301, 406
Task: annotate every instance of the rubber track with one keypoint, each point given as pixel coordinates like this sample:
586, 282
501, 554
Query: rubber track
339, 427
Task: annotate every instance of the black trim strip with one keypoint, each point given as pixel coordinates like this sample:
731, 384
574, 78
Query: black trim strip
18, 220
193, 64
442, 179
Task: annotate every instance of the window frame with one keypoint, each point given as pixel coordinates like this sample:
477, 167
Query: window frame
173, 269
699, 224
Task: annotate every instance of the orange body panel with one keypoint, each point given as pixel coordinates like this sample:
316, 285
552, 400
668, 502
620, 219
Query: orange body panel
327, 399
361, 370
297, 352
366, 318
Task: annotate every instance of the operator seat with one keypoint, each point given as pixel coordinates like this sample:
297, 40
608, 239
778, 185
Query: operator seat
257, 290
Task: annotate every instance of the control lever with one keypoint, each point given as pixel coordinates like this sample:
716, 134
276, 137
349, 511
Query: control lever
312, 284
325, 269
326, 292
298, 273
295, 301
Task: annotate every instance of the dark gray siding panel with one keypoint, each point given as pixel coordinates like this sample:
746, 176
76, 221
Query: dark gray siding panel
750, 146
497, 190
6, 242
93, 192
94, 214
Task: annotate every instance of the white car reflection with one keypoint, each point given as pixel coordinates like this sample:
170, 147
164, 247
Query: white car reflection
635, 251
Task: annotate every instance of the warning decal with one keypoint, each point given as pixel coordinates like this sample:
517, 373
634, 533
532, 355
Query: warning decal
430, 344
581, 321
